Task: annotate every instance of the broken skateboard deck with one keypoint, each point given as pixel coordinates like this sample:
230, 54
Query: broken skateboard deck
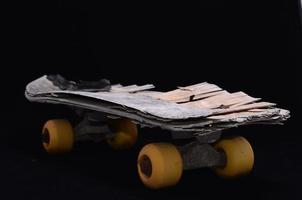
201, 108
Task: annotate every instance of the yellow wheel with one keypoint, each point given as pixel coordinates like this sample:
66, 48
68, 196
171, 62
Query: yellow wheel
57, 136
159, 165
125, 134
239, 157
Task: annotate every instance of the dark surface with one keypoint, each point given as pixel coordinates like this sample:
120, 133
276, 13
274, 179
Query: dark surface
254, 46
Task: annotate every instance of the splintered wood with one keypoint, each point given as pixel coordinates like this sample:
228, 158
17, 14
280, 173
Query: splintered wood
226, 106
131, 88
193, 92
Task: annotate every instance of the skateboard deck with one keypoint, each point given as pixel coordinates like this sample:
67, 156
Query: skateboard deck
201, 108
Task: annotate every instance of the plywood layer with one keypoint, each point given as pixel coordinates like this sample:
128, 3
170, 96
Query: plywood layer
223, 103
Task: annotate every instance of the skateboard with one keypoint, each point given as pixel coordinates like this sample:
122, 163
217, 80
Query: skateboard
196, 113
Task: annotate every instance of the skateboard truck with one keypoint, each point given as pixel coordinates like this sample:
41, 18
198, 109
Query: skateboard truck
201, 154
93, 126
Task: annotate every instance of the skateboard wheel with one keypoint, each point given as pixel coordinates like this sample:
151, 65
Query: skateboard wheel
125, 134
239, 157
159, 165
57, 136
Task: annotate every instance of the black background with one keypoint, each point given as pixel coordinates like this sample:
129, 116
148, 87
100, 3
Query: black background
254, 46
